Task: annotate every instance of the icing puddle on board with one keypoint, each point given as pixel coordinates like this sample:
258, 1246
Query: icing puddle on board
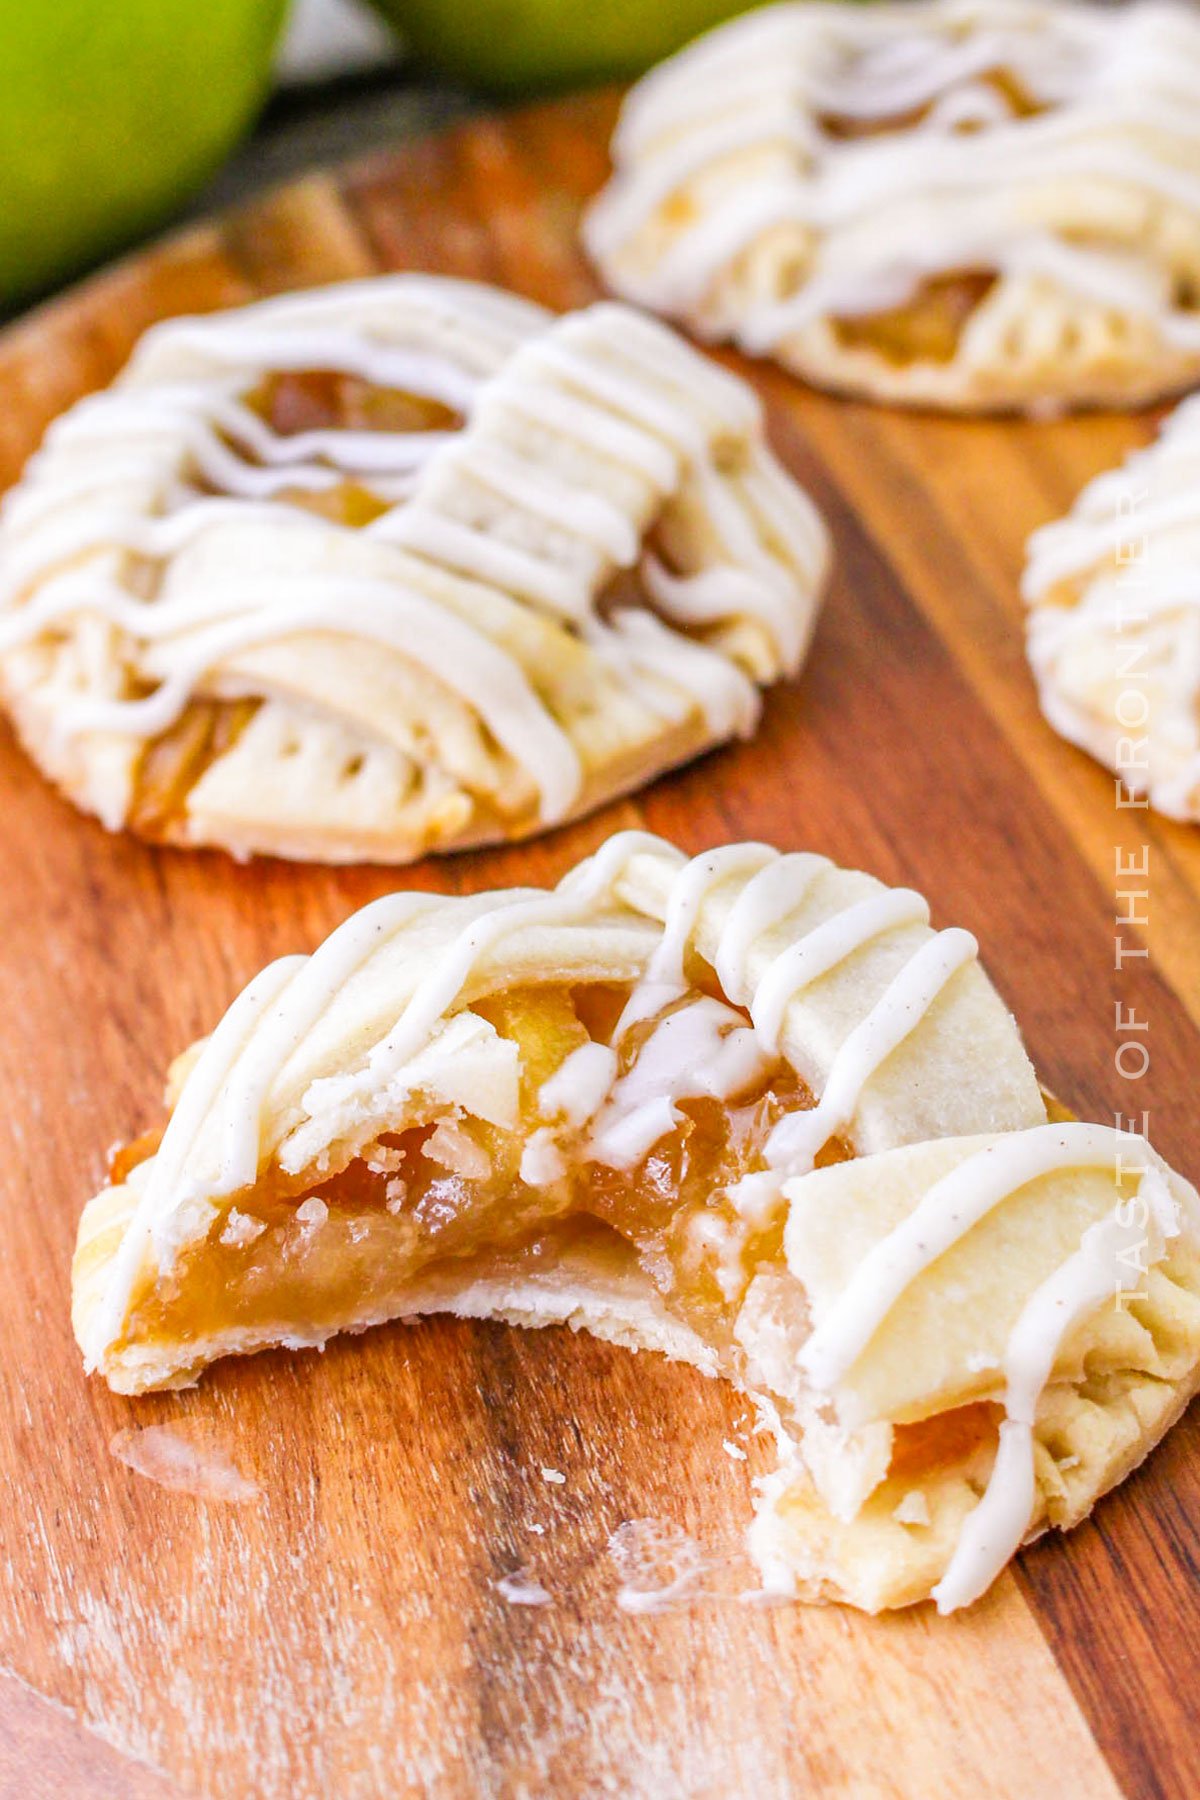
165, 1456
662, 1569
658, 1569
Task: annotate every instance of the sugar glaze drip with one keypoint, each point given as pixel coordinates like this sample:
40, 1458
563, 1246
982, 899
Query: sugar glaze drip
774, 888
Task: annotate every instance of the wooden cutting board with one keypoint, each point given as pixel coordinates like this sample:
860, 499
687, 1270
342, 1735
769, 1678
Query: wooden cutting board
343, 1634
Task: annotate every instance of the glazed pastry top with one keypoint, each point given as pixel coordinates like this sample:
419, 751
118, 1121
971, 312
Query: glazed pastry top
813, 163
172, 541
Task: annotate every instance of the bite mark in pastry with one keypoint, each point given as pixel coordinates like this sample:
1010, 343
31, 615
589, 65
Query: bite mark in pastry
1113, 592
969, 204
750, 1110
393, 566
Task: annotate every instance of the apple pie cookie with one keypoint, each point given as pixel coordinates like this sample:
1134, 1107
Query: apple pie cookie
395, 566
967, 204
1114, 619
750, 1110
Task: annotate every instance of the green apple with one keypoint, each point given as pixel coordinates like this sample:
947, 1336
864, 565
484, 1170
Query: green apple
506, 44
111, 113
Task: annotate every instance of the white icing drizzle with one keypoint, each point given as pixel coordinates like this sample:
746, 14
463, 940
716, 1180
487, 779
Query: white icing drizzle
515, 500
703, 1048
670, 1068
1114, 93
775, 887
448, 646
1099, 1270
823, 948
798, 1138
675, 674
717, 595
1113, 592
665, 980
580, 1085
945, 1214
773, 892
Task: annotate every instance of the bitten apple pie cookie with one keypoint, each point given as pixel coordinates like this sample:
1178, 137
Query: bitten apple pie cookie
750, 1110
968, 204
1114, 619
394, 566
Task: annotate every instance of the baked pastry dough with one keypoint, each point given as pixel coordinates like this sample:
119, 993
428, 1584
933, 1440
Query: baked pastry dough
1114, 619
749, 1110
969, 204
393, 566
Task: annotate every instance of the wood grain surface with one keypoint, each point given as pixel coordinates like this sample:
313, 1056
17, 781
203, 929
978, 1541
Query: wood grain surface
343, 1634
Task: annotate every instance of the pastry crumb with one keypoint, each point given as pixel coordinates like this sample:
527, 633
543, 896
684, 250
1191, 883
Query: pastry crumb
312, 1211
384, 1159
913, 1509
555, 1476
542, 1161
240, 1229
734, 1450
455, 1149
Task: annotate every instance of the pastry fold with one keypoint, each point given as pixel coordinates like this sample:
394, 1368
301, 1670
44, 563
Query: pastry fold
749, 1110
396, 566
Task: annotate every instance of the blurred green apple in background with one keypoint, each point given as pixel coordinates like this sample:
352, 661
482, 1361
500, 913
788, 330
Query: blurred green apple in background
111, 113
507, 44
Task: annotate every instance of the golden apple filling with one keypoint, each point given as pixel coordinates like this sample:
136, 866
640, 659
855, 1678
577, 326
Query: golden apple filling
928, 328
297, 1258
172, 764
290, 402
295, 1252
